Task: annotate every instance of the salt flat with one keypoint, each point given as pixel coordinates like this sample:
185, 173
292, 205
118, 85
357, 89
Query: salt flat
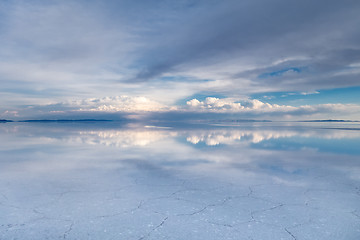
251, 181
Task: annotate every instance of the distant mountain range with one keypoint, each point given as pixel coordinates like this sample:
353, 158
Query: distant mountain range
58, 120
328, 120
219, 121
241, 120
67, 120
4, 121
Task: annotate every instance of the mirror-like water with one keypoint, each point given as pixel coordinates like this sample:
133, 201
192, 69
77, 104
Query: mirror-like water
106, 181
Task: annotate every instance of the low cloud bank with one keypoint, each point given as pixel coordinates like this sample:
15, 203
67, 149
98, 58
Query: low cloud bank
211, 108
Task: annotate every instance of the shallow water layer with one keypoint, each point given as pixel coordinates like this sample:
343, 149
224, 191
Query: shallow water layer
108, 181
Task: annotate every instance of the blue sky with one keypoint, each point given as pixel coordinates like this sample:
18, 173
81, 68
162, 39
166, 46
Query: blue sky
350, 95
240, 59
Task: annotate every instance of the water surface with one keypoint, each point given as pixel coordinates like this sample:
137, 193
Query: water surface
112, 181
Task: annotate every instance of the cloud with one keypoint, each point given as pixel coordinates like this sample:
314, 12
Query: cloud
69, 46
116, 107
53, 51
118, 104
231, 105
322, 40
211, 108
256, 108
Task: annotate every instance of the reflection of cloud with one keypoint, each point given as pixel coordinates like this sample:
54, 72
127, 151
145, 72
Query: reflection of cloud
232, 136
228, 137
215, 138
79, 144
122, 138
129, 137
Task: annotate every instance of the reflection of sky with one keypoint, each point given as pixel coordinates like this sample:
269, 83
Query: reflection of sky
340, 137
125, 138
171, 146
325, 140
256, 175
336, 145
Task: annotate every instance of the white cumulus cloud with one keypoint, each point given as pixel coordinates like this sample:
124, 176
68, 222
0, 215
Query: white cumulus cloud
256, 108
119, 104
232, 105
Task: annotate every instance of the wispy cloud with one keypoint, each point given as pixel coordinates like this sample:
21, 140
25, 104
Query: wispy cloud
53, 51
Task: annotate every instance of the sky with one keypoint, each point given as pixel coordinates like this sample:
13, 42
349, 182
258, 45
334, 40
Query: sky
180, 60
